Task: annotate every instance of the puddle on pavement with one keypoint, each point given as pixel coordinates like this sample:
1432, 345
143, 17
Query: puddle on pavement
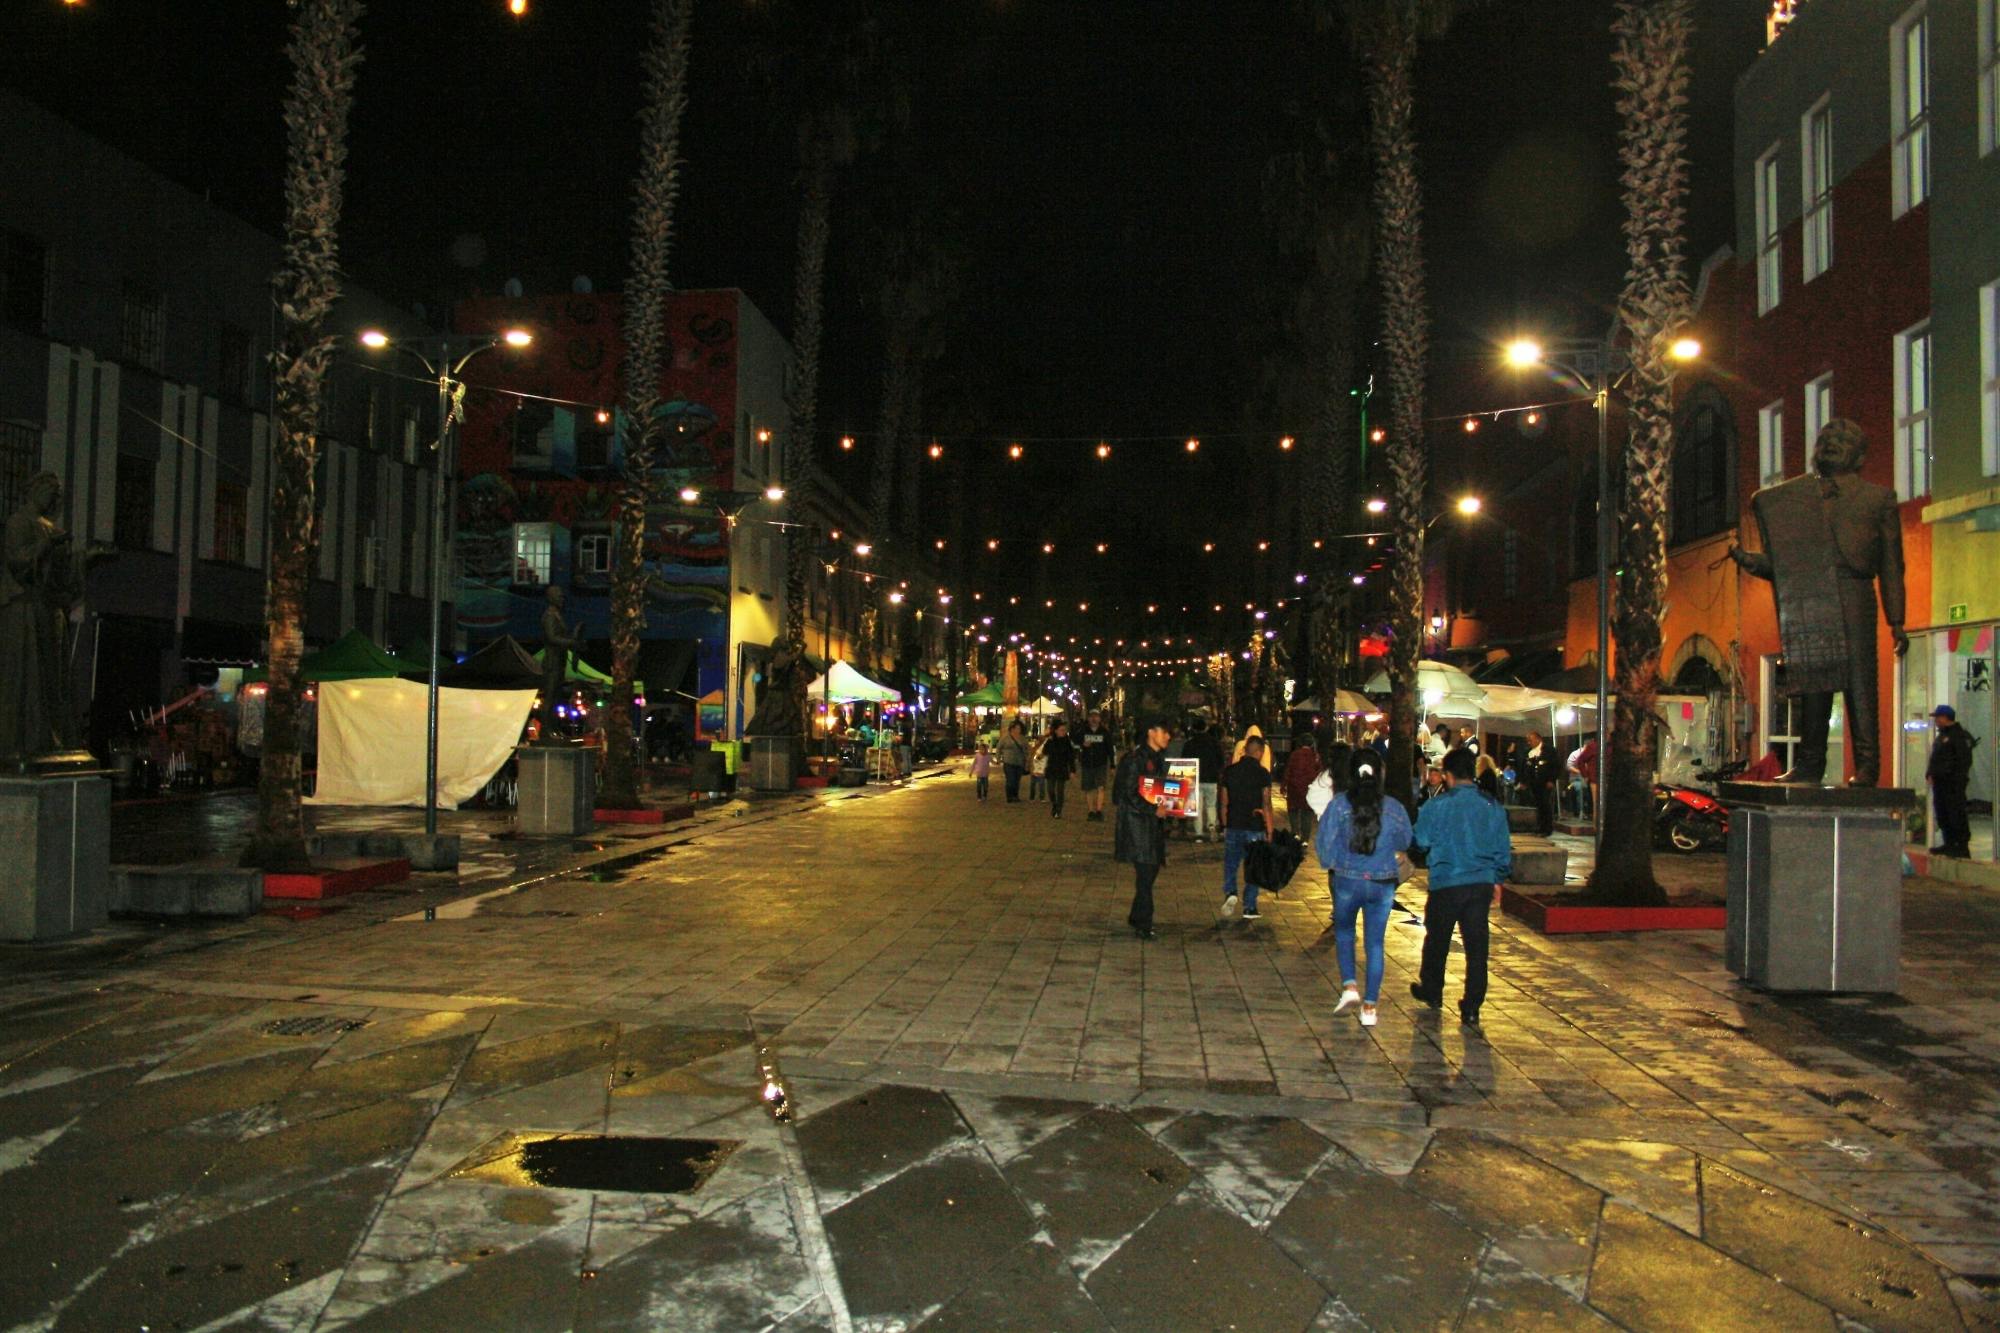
601, 1162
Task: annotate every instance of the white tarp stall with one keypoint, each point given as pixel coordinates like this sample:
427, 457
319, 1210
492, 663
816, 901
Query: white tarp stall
850, 686
372, 737
1045, 707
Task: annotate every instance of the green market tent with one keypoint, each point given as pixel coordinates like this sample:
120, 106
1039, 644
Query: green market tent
581, 672
846, 685
353, 656
988, 696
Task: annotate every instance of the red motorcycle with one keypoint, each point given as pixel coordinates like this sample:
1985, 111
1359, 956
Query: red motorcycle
1688, 820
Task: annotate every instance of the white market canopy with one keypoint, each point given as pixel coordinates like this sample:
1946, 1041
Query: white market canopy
1346, 703
1441, 688
849, 686
1045, 707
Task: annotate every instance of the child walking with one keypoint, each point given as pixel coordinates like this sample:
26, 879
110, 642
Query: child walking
982, 765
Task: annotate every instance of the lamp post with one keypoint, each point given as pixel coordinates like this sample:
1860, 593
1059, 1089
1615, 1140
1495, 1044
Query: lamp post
1596, 366
448, 356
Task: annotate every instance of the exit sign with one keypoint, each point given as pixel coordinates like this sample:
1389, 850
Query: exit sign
1958, 611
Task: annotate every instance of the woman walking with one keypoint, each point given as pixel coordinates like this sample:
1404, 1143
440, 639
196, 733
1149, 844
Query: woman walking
1058, 757
1360, 837
1014, 759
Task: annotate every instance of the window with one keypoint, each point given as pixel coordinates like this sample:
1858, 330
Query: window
376, 408
233, 367
1770, 232
1989, 76
1989, 377
533, 544
1704, 456
1771, 442
24, 281
132, 515
1913, 412
141, 335
20, 448
232, 510
1816, 181
1910, 113
593, 555
1819, 410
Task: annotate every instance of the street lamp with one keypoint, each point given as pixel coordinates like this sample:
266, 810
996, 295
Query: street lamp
1593, 365
451, 355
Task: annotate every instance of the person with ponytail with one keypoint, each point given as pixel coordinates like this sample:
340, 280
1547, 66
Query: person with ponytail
1359, 840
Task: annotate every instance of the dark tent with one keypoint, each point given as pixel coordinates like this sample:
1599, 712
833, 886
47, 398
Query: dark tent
353, 656
501, 665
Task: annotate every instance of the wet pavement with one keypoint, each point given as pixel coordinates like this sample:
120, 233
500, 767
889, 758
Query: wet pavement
543, 1111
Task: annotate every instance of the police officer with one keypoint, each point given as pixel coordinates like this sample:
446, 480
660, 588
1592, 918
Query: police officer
1947, 772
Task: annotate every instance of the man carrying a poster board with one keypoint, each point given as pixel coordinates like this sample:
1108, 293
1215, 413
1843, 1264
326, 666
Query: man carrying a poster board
1245, 806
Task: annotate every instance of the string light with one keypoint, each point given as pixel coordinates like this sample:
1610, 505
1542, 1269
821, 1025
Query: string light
937, 450
1048, 548
847, 442
1471, 425
1193, 444
992, 543
1285, 442
1102, 547
1014, 451
1103, 449
1377, 435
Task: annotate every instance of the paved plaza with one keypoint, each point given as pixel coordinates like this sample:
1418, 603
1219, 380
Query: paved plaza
418, 1111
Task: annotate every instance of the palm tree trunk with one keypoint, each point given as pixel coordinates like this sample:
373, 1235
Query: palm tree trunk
324, 56
898, 374
664, 69
1651, 75
1389, 55
1331, 485
801, 481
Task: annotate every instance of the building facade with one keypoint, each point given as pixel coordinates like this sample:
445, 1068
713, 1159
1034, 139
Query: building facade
136, 325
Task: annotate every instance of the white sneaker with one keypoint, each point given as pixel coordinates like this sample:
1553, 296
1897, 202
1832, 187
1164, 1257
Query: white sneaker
1231, 906
1368, 1015
1349, 997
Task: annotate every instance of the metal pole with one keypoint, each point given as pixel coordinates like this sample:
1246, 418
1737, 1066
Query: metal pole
1603, 598
437, 606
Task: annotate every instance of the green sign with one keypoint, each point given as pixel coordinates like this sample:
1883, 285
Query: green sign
1958, 611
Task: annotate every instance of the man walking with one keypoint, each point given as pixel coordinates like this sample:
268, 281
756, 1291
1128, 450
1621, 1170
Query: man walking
1139, 840
1465, 842
1093, 753
1205, 747
1542, 770
1246, 818
1300, 770
1058, 756
1949, 769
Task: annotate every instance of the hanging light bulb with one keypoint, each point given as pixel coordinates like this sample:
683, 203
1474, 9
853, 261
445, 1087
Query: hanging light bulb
1193, 444
1014, 451
1103, 449
1285, 442
1471, 425
1377, 435
937, 450
847, 442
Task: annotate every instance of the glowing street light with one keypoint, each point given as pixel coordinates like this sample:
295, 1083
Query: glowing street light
1524, 352
1685, 349
1469, 505
863, 548
689, 495
1378, 506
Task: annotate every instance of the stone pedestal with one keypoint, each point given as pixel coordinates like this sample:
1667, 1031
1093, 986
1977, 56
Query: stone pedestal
55, 854
557, 790
1815, 886
776, 762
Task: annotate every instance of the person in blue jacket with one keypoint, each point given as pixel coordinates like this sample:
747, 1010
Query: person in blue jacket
1358, 840
1463, 836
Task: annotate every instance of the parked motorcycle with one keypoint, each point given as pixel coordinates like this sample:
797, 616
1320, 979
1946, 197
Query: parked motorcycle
1687, 821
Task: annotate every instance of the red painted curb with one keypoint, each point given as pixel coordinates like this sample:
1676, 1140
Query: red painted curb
1560, 919
642, 816
809, 784
336, 880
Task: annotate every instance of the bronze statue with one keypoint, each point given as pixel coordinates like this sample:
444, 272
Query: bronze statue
41, 583
778, 712
559, 640
1829, 540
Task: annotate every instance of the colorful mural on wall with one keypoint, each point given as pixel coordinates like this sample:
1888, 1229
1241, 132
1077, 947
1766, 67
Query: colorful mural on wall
538, 467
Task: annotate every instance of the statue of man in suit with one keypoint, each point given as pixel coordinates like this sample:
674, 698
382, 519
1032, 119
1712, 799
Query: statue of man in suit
41, 583
559, 640
1830, 540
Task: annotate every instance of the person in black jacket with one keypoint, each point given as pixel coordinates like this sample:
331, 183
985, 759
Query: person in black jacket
1140, 840
1949, 769
1060, 753
1542, 770
1205, 747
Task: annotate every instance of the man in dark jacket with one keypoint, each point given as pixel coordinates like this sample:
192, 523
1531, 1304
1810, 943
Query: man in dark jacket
1949, 769
1468, 850
1140, 839
1205, 747
1060, 753
1541, 770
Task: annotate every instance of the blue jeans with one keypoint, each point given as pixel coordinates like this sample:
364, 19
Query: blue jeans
1373, 899
1235, 846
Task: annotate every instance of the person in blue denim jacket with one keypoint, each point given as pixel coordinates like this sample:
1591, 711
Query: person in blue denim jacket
1359, 838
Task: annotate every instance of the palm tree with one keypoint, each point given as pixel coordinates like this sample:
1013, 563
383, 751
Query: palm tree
324, 56
1650, 72
1385, 35
664, 69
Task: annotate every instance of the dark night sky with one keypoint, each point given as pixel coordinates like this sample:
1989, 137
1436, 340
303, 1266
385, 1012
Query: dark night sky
1104, 160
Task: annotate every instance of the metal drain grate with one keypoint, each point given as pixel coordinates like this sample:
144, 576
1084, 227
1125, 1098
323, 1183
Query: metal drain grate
317, 1025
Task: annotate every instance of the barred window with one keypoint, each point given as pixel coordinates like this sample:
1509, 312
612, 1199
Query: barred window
141, 326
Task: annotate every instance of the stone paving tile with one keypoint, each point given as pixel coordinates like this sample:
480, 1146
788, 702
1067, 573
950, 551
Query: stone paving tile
907, 1247
1195, 1264
1541, 1216
532, 1289
1831, 1258
1254, 1163
1095, 1182
1030, 1289
1658, 1178
1648, 1275
1508, 1295
869, 1138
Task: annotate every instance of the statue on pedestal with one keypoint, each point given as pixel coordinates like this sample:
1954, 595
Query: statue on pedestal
559, 640
41, 584
778, 712
1830, 539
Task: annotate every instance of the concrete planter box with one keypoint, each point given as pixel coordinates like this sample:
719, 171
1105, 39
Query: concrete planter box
55, 833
